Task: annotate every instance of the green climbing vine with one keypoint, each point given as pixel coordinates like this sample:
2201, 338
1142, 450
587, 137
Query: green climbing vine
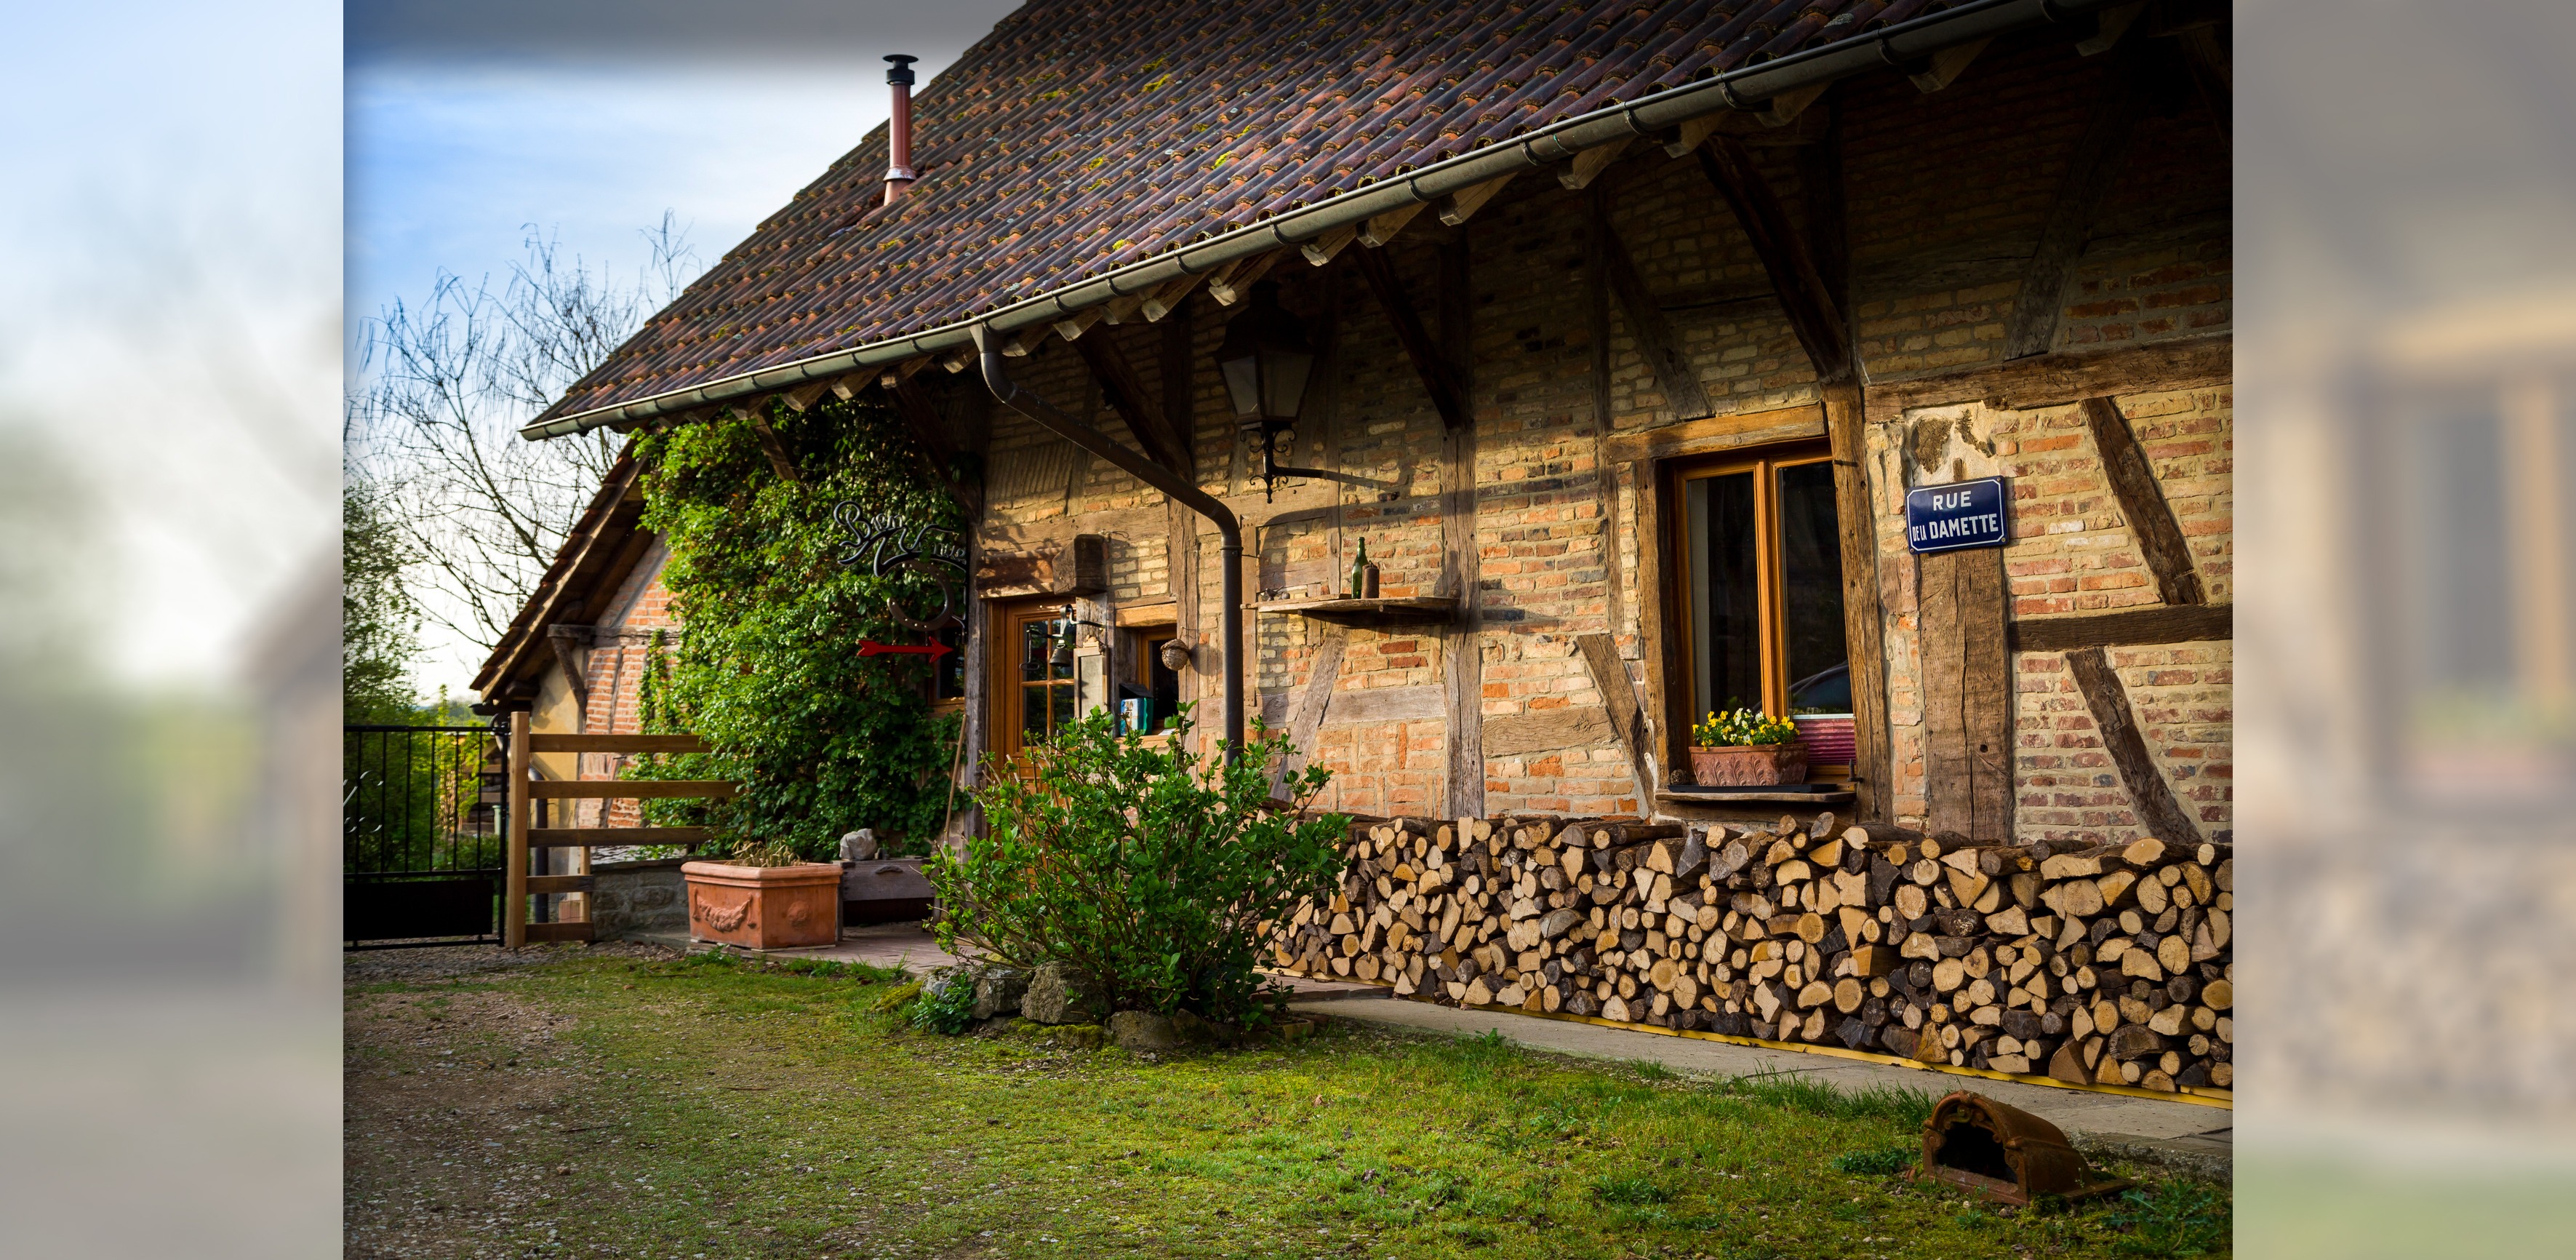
766, 668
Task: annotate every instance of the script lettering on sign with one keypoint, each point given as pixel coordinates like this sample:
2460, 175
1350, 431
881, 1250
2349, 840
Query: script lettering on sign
889, 544
1958, 516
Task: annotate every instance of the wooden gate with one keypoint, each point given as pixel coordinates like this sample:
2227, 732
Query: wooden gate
527, 795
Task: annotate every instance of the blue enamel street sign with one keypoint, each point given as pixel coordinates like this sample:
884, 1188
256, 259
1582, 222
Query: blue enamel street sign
1957, 516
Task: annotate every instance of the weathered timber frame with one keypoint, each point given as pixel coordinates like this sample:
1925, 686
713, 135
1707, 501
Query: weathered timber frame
1952, 595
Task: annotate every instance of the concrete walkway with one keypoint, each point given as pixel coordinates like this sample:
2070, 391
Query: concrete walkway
2182, 1134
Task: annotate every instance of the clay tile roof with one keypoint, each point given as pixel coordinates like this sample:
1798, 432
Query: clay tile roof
1081, 135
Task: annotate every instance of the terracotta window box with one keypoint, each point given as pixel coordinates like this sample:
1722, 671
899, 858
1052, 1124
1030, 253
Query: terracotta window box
764, 907
1749, 765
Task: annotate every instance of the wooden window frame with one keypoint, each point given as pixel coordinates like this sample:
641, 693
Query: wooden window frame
1765, 462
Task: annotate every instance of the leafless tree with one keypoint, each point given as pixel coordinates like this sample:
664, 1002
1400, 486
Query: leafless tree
443, 387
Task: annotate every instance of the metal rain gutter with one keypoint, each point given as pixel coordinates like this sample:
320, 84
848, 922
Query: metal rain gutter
1747, 89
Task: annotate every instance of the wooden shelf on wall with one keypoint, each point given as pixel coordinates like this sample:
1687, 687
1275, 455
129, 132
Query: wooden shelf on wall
1413, 608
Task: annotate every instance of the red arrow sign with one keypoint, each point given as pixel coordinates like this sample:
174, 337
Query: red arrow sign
870, 647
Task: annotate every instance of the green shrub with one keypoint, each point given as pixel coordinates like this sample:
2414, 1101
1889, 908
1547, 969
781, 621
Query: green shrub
1159, 874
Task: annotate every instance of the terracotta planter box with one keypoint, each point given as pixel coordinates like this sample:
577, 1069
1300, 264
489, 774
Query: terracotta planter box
1749, 765
764, 907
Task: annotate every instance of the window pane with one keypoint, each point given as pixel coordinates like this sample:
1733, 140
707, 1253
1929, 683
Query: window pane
1811, 582
1033, 713
1034, 650
1725, 593
1063, 705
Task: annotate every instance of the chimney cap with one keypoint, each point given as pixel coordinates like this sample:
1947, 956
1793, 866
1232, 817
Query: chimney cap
899, 69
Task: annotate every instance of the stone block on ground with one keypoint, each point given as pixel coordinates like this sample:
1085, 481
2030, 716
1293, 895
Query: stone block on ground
1139, 1030
999, 990
1057, 994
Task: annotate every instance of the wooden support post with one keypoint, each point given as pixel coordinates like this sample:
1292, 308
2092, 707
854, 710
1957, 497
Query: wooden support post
1438, 377
1619, 696
1308, 717
1154, 434
2142, 503
516, 800
1674, 376
1464, 665
1967, 694
2031, 328
2158, 811
1828, 240
1864, 626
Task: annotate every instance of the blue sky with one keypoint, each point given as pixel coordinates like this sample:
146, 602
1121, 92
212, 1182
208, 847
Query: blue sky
468, 127
469, 124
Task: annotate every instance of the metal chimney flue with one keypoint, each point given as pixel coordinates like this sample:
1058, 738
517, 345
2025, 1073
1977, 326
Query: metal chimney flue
899, 173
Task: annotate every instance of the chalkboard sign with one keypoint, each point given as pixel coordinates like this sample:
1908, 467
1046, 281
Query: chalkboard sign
1957, 516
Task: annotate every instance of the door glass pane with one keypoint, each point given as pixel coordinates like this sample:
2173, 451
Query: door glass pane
1811, 585
1034, 651
1062, 694
1725, 593
1033, 714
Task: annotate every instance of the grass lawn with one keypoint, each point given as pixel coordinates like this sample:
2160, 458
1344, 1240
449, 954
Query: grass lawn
641, 1105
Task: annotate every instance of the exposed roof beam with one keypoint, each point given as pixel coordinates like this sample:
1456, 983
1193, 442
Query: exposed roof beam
1437, 378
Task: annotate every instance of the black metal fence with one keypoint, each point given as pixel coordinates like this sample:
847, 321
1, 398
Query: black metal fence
421, 840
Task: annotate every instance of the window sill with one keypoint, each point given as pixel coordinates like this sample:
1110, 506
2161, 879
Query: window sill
1788, 793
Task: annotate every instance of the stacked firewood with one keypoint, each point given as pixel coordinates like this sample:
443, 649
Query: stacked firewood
2093, 965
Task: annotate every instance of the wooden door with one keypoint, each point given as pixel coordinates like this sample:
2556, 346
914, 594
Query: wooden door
1032, 675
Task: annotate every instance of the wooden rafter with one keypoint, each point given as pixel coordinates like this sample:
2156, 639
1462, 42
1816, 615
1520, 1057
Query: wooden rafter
757, 413
1813, 314
1437, 376
1126, 394
1674, 376
2031, 328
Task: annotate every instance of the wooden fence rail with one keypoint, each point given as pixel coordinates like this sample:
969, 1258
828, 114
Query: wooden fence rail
524, 835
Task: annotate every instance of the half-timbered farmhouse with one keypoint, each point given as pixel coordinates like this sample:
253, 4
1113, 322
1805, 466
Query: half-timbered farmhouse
1619, 335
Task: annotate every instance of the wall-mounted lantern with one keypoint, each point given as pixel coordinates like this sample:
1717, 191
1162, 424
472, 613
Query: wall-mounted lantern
1265, 360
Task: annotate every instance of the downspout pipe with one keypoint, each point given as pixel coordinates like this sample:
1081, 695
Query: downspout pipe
997, 378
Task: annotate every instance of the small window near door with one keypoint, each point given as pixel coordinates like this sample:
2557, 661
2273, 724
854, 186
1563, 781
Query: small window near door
1148, 679
948, 677
1760, 566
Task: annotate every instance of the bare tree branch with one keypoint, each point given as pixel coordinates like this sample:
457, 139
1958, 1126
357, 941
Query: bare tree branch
443, 388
